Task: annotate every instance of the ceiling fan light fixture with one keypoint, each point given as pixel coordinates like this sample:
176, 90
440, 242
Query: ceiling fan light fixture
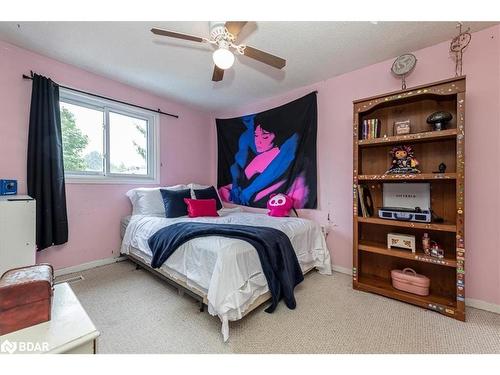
224, 36
223, 58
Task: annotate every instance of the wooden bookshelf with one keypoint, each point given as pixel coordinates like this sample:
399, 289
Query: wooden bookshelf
372, 260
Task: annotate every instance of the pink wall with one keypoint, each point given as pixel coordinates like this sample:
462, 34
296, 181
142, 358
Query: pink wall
94, 210
335, 96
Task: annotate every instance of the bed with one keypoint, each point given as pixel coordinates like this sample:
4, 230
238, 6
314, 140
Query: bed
225, 273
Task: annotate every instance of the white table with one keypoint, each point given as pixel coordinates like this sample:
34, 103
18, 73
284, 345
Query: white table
70, 329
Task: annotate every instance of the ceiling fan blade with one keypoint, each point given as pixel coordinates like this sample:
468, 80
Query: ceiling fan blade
234, 27
176, 35
218, 74
264, 57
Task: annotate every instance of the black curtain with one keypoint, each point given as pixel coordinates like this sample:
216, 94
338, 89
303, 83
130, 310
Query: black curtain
45, 164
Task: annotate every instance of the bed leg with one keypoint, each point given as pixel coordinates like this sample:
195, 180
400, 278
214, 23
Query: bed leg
202, 307
137, 267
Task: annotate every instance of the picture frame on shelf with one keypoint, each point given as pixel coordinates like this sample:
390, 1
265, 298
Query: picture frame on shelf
402, 127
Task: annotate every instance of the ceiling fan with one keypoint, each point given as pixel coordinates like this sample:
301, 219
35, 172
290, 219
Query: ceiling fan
224, 35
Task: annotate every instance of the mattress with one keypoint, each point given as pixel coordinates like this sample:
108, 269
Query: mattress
226, 270
124, 224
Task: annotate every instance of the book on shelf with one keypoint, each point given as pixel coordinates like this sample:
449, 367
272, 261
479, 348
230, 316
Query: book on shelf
365, 201
370, 129
361, 211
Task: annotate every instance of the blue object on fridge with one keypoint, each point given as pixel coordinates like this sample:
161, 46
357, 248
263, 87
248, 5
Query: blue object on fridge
8, 187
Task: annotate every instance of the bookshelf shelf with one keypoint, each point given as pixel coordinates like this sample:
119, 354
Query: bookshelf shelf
409, 138
445, 227
372, 260
419, 256
407, 177
383, 286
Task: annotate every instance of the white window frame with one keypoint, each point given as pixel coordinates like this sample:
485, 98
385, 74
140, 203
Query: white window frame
107, 106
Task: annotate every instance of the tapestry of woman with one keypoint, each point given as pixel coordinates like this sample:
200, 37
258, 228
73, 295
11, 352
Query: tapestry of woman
270, 152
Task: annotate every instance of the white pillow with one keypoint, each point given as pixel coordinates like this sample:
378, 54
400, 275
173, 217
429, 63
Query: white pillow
194, 186
175, 187
148, 201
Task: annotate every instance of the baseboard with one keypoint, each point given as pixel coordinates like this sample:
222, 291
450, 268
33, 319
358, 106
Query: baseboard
482, 305
471, 302
87, 266
340, 269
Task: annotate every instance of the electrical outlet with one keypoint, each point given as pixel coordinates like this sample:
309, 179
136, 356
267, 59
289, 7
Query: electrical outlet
324, 230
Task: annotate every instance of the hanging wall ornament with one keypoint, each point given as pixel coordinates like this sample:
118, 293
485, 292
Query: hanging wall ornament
402, 66
458, 45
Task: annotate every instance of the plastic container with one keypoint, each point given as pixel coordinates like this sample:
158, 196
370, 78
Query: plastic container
409, 281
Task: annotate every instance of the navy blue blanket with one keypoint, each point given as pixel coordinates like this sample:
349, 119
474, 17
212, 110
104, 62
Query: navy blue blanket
277, 257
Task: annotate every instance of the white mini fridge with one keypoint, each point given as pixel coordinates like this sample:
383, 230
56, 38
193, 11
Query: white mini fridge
17, 231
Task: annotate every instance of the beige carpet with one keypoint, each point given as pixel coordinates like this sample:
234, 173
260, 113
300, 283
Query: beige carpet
138, 313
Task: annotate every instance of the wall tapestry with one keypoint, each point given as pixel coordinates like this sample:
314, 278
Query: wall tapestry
268, 153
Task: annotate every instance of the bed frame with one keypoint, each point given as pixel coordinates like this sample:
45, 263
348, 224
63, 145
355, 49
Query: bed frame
199, 296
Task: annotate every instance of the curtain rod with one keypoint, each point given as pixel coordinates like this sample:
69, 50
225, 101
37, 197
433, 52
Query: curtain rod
106, 98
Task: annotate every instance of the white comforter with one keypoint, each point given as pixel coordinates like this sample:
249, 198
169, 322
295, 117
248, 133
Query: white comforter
228, 270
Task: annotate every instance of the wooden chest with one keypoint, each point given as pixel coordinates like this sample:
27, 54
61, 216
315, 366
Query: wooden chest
25, 297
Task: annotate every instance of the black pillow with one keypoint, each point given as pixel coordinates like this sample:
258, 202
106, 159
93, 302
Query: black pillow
208, 193
173, 200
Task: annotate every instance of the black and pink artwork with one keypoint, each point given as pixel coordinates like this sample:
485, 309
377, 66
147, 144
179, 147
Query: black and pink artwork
268, 153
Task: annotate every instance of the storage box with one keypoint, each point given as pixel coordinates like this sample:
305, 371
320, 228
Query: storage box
409, 281
401, 241
25, 297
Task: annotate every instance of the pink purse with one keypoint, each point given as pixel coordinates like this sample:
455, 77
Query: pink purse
409, 281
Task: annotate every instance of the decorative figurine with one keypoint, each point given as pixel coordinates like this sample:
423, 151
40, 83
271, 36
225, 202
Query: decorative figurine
458, 45
436, 251
439, 119
403, 160
431, 247
441, 168
426, 244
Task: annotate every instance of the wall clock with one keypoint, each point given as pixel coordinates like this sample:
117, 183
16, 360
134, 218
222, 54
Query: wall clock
403, 65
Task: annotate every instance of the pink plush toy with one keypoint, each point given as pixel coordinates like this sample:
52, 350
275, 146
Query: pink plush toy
279, 205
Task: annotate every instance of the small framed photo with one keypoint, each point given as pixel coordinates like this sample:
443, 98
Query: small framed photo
402, 127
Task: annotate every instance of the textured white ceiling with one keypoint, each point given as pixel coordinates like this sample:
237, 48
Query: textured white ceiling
182, 70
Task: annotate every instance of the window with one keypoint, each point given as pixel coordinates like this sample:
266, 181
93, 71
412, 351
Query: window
107, 142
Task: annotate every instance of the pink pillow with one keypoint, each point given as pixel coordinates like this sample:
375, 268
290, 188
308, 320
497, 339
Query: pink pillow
201, 207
